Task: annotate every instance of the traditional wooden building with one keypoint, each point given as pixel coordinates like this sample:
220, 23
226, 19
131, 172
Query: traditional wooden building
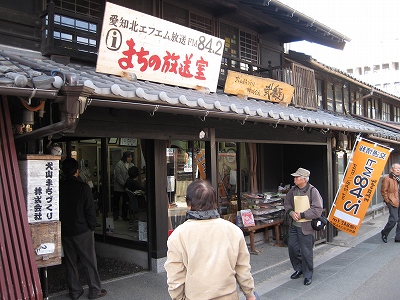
247, 144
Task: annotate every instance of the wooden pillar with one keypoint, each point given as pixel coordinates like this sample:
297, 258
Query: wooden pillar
156, 166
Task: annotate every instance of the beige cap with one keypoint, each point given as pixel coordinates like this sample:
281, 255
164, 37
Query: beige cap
301, 172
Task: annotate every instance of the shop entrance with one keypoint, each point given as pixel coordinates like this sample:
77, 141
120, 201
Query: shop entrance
98, 169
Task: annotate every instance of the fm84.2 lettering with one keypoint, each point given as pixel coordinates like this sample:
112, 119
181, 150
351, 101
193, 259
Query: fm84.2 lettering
206, 45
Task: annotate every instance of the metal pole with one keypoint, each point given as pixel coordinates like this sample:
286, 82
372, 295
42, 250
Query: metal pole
44, 282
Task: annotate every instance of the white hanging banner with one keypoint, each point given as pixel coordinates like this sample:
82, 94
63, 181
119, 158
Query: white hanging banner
157, 50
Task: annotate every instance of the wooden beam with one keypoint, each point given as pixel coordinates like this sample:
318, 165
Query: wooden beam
361, 98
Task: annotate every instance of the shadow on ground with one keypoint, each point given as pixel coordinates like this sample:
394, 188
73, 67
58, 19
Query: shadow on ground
108, 268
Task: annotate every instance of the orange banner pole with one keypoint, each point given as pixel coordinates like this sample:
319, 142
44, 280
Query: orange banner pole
359, 185
201, 163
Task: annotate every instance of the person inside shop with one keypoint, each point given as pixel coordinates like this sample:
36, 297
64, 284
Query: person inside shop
302, 203
134, 185
390, 194
78, 221
207, 256
121, 175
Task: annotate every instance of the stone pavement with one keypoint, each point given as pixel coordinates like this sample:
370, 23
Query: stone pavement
271, 270
273, 282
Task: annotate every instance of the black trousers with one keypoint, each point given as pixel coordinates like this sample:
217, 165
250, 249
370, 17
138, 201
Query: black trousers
301, 251
83, 247
124, 208
394, 218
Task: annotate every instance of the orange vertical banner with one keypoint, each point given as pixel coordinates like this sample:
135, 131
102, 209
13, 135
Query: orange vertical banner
358, 186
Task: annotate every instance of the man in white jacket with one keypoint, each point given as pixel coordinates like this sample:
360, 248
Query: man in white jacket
207, 256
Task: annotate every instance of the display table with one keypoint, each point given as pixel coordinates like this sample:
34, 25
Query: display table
266, 227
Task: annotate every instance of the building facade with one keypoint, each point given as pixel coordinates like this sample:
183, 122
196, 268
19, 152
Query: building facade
380, 69
56, 100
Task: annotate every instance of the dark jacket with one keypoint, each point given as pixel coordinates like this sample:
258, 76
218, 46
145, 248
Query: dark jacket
313, 212
133, 185
77, 210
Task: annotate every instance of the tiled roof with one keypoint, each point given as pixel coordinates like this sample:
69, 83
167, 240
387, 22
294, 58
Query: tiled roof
33, 71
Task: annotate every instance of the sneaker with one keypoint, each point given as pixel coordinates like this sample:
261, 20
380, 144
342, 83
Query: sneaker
102, 293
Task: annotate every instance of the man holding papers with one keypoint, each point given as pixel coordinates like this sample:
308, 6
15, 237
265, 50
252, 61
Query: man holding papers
303, 203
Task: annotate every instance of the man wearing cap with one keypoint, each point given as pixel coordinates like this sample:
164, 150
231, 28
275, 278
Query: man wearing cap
301, 233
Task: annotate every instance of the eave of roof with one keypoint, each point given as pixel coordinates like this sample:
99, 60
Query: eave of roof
394, 126
304, 27
271, 16
113, 91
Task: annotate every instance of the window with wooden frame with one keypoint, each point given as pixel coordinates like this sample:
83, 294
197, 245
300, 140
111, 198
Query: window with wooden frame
385, 112
239, 44
73, 26
76, 26
304, 87
338, 98
359, 105
329, 97
248, 47
175, 14
89, 8
320, 93
200, 23
372, 108
346, 100
396, 114
187, 18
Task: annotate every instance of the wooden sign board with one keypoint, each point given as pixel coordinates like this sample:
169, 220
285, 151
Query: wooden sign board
157, 50
46, 238
40, 183
258, 87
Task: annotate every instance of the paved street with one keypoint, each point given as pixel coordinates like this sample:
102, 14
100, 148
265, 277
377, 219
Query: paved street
361, 272
360, 267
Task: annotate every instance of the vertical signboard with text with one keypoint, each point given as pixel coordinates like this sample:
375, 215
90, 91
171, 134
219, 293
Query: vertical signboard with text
40, 183
157, 50
359, 184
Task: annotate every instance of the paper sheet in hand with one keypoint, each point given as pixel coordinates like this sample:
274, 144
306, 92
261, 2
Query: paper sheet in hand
301, 203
